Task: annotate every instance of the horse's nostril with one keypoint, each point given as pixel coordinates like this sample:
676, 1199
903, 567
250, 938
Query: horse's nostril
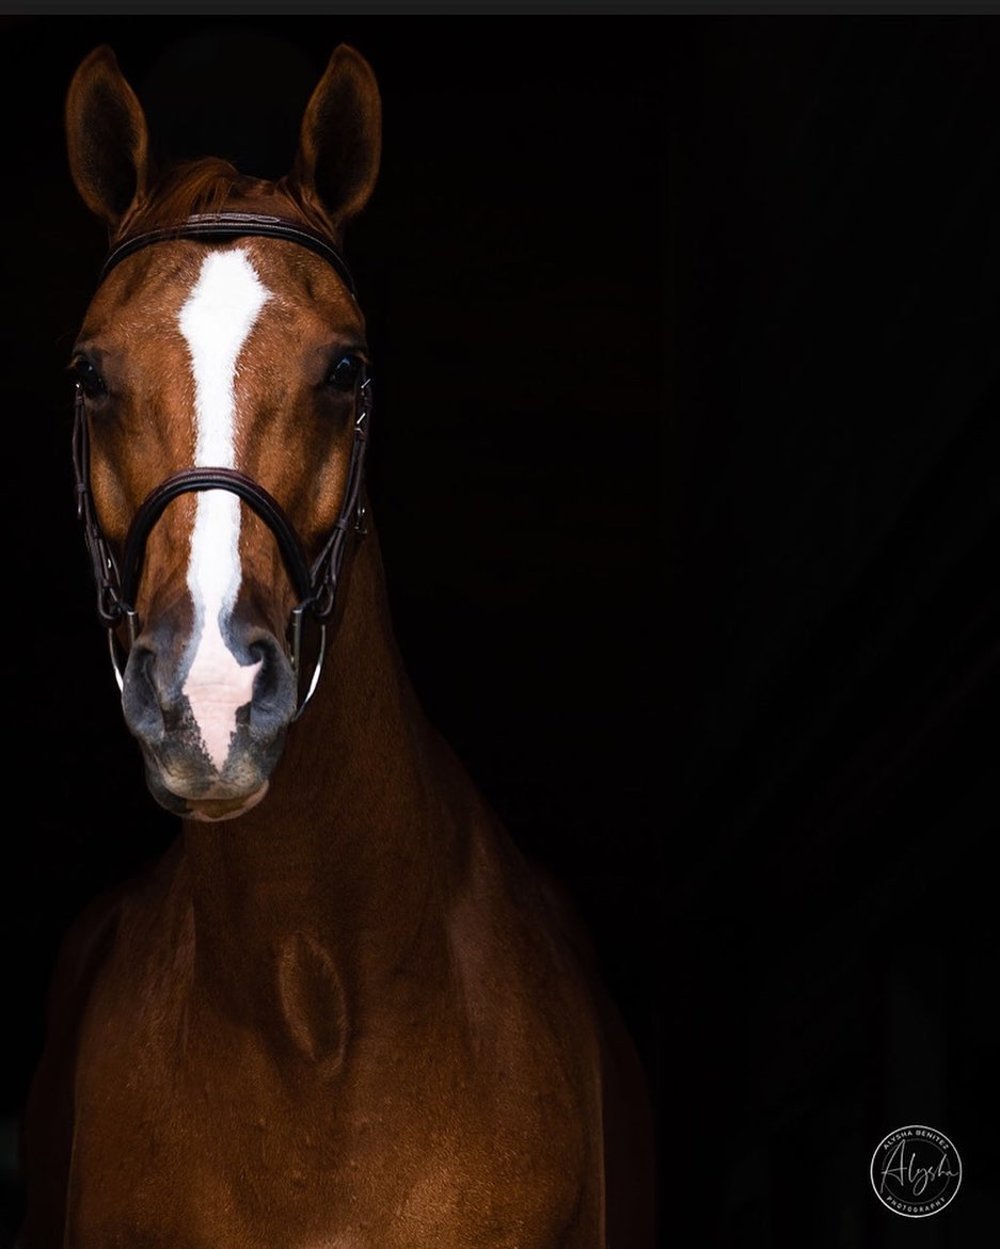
274, 685
140, 701
141, 661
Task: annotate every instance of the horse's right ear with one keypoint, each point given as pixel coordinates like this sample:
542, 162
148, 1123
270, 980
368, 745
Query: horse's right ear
107, 138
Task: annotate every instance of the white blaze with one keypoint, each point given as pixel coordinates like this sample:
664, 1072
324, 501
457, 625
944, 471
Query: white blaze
216, 321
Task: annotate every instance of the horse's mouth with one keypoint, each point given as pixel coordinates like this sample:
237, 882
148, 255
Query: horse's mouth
215, 809
194, 799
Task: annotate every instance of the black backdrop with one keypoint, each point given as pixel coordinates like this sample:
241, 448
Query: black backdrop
687, 474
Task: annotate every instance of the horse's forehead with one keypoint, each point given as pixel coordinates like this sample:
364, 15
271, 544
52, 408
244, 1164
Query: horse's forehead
149, 296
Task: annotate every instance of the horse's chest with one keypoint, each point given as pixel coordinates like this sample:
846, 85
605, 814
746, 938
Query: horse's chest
186, 1139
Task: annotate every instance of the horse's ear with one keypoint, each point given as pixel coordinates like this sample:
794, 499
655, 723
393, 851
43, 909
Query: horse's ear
107, 137
340, 141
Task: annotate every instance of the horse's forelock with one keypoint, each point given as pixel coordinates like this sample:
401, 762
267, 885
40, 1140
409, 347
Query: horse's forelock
207, 185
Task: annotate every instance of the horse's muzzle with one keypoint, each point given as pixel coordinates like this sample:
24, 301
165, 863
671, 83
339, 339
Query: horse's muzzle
212, 732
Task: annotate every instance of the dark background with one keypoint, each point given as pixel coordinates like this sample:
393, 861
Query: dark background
687, 474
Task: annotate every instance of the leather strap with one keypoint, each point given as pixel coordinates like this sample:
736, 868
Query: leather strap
232, 225
109, 606
196, 479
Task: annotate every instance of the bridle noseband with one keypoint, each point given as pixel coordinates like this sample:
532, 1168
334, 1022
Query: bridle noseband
315, 583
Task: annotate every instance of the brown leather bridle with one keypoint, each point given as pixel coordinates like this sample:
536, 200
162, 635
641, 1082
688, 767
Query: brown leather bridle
315, 583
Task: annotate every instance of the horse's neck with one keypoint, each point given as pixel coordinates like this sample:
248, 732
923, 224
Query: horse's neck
359, 832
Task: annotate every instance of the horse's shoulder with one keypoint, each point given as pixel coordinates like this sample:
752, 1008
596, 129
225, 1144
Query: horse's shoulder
628, 1131
82, 952
623, 1082
83, 955
47, 1127
521, 967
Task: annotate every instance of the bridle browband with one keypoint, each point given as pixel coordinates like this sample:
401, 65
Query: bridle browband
315, 583
232, 225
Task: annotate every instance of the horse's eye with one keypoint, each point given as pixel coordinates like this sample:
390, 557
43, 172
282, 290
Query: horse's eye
87, 378
345, 373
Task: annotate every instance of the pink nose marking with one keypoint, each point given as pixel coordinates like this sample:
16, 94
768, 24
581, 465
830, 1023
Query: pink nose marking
216, 687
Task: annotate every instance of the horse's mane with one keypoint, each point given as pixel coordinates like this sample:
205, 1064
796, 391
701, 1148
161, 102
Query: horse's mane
206, 185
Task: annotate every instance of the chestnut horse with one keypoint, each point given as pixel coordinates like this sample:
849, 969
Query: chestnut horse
342, 1010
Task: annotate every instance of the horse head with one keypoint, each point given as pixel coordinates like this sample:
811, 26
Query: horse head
221, 373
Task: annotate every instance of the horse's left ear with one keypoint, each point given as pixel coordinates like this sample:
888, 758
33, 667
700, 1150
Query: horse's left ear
340, 141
